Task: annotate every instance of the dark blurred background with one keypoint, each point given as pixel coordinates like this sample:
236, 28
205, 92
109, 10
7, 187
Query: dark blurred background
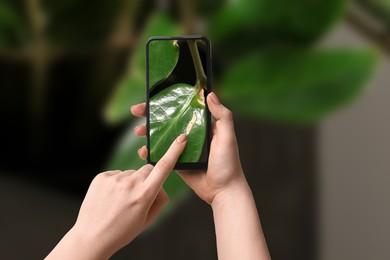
70, 70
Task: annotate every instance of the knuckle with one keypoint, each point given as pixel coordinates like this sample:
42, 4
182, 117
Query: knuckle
106, 174
227, 114
100, 176
105, 177
147, 168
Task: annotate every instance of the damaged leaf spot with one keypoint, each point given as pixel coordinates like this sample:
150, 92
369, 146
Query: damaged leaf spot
201, 97
191, 123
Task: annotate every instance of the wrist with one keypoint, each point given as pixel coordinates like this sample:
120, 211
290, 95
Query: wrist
88, 245
237, 224
235, 192
77, 245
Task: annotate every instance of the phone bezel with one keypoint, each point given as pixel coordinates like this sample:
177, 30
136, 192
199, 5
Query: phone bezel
182, 165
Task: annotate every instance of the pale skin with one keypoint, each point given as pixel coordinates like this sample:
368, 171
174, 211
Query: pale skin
120, 205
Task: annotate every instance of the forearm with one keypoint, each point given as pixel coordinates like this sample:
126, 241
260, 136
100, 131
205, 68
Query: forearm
237, 225
74, 246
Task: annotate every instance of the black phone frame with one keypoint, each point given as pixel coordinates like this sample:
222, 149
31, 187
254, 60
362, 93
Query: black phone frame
183, 165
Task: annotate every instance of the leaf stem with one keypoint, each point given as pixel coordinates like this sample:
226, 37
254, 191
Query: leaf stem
201, 79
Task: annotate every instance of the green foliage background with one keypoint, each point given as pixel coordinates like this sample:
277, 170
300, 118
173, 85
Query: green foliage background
267, 63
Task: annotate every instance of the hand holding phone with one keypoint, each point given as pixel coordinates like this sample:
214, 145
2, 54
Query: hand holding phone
225, 188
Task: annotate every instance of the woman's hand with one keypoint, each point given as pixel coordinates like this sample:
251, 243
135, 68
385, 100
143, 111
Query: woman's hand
118, 206
223, 185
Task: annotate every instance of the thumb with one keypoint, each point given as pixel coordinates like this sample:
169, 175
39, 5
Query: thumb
221, 114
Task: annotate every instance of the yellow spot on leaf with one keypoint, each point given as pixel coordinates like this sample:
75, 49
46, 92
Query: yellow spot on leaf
201, 97
191, 123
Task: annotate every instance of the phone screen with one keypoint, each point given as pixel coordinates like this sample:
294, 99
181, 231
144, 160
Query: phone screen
178, 80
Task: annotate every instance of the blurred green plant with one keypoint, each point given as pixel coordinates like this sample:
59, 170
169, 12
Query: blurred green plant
298, 86
275, 21
271, 67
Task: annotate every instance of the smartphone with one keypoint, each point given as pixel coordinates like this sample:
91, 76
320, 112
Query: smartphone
178, 79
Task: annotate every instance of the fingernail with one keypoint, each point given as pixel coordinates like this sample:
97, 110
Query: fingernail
181, 138
214, 98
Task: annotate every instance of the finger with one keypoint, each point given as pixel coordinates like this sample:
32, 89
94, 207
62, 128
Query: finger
165, 165
140, 130
143, 152
158, 205
144, 171
139, 110
222, 115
